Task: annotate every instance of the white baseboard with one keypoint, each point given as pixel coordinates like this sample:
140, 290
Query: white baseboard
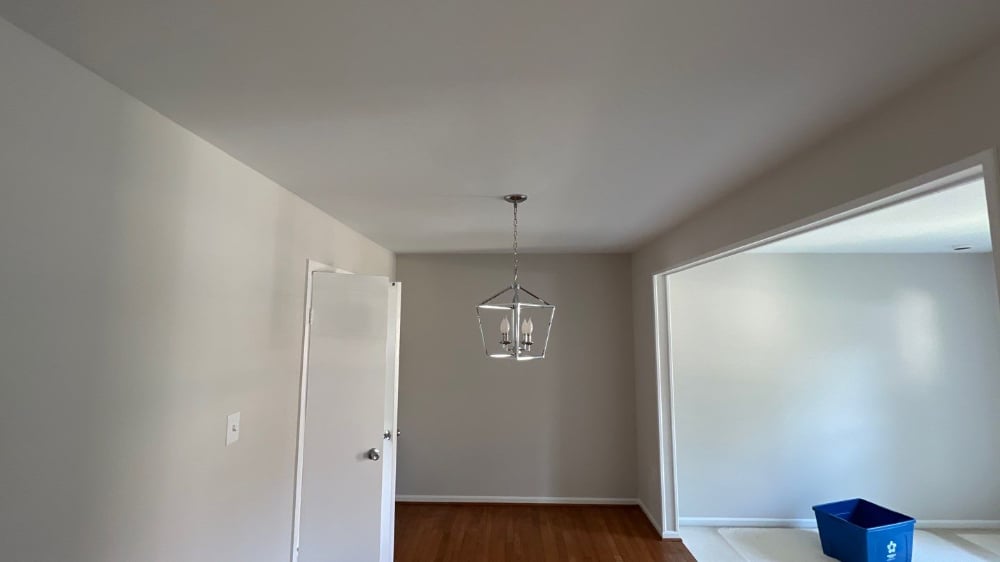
811, 523
516, 499
958, 524
745, 522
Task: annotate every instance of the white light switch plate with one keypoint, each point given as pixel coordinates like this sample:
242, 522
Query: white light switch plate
232, 428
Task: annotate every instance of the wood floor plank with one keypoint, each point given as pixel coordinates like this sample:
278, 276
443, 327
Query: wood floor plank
529, 533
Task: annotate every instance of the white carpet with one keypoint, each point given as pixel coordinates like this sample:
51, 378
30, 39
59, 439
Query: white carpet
932, 547
989, 542
802, 545
775, 545
707, 545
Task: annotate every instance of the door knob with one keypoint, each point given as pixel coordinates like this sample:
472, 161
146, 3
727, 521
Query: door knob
374, 454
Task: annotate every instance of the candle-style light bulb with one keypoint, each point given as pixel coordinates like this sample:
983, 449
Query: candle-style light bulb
504, 326
527, 326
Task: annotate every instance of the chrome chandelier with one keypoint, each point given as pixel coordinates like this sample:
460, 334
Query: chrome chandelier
516, 312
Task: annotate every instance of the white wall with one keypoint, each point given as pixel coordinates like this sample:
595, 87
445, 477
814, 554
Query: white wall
802, 379
951, 116
475, 426
149, 286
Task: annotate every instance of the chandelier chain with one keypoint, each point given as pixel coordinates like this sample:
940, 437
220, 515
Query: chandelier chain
515, 242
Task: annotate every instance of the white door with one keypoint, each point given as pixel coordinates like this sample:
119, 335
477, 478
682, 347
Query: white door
342, 470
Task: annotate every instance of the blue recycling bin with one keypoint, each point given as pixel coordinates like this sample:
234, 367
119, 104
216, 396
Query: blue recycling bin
860, 531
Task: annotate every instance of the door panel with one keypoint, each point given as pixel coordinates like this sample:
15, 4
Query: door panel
345, 411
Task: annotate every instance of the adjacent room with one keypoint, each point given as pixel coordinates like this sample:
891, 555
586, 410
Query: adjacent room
859, 359
540, 281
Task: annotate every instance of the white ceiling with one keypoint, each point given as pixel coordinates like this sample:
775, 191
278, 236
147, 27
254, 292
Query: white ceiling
407, 120
931, 224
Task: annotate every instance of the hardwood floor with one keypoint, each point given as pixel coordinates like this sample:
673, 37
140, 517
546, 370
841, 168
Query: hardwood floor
530, 533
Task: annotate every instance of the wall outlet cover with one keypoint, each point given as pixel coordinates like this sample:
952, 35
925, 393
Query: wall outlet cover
232, 428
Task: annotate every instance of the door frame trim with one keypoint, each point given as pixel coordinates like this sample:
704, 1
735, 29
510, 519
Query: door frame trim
388, 523
312, 266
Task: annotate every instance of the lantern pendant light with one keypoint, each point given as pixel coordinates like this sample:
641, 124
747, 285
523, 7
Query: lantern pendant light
508, 319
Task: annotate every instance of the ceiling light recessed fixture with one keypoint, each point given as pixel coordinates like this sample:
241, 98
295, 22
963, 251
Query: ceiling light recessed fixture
514, 310
961, 248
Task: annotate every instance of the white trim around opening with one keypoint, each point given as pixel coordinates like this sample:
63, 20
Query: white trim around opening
982, 164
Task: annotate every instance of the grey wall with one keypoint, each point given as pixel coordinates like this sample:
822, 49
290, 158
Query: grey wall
149, 286
950, 116
801, 379
474, 426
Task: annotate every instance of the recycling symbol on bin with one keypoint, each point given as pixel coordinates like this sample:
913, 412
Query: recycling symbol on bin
891, 547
